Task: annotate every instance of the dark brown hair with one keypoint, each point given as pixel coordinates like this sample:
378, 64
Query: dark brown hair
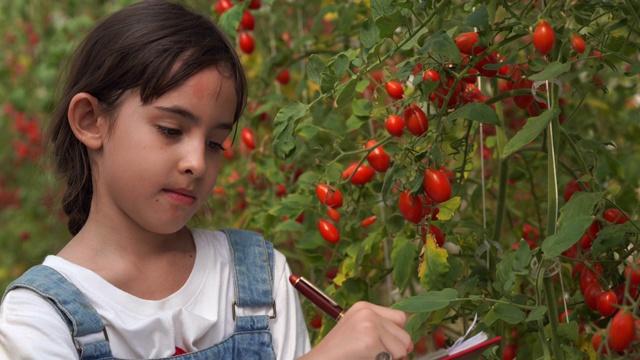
153, 46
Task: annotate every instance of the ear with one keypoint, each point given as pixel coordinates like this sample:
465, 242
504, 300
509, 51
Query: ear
86, 121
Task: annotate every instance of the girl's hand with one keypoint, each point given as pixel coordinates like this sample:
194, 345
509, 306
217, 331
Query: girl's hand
365, 331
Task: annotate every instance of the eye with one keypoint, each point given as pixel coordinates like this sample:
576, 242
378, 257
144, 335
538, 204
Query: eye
215, 146
170, 132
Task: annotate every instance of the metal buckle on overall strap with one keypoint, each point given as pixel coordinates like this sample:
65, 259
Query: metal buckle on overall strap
233, 310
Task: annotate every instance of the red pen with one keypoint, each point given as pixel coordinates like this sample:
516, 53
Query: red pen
317, 297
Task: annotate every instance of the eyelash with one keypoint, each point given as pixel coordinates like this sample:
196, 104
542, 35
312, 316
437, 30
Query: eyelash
170, 132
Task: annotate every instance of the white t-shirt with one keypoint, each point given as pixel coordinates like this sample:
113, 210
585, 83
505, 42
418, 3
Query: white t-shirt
195, 317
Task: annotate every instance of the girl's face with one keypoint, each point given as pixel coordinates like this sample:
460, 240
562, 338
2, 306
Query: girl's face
160, 162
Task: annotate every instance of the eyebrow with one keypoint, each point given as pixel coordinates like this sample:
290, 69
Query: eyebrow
188, 115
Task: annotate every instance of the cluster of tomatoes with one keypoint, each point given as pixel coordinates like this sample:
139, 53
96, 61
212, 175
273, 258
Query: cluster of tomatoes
247, 24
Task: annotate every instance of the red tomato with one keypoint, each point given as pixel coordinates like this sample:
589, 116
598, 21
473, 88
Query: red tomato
328, 231
248, 139
394, 89
577, 43
415, 120
436, 185
411, 207
254, 4
442, 91
466, 43
471, 77
510, 352
222, 6
589, 276
591, 235
544, 37
358, 175
316, 322
329, 195
284, 77
368, 221
572, 187
378, 158
281, 190
592, 294
437, 234
246, 42
622, 330
523, 101
394, 125
607, 302
228, 152
596, 342
333, 214
489, 59
632, 273
431, 75
615, 216
624, 299
247, 22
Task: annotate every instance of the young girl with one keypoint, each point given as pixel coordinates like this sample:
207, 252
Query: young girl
151, 94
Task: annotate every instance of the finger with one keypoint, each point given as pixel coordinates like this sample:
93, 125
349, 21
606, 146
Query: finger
396, 316
396, 340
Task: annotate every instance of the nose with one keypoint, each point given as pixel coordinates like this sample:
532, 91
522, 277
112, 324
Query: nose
193, 161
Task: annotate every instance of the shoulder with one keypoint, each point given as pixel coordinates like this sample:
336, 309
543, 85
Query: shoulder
29, 323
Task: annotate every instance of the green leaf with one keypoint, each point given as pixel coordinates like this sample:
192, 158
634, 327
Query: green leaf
382, 7
361, 107
315, 68
328, 82
369, 34
476, 111
394, 223
569, 331
355, 122
613, 236
403, 257
388, 24
566, 236
434, 265
537, 314
341, 64
523, 257
230, 20
575, 217
530, 131
284, 127
428, 301
441, 44
551, 71
479, 18
633, 70
504, 273
345, 93
448, 208
509, 313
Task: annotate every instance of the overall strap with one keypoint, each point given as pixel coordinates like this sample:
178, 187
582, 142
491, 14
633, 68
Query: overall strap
253, 259
79, 315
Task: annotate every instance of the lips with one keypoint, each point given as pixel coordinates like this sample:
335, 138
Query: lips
181, 196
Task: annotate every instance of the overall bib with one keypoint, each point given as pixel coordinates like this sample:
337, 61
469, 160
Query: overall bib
253, 271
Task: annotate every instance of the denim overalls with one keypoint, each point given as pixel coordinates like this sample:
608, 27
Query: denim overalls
253, 263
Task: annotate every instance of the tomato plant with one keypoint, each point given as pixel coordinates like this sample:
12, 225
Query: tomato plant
538, 129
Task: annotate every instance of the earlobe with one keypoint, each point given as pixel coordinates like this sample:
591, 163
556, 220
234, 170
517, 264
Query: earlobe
86, 121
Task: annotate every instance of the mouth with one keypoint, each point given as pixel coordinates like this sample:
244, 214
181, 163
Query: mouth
182, 196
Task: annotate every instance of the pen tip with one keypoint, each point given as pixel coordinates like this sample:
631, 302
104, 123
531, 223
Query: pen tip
293, 279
